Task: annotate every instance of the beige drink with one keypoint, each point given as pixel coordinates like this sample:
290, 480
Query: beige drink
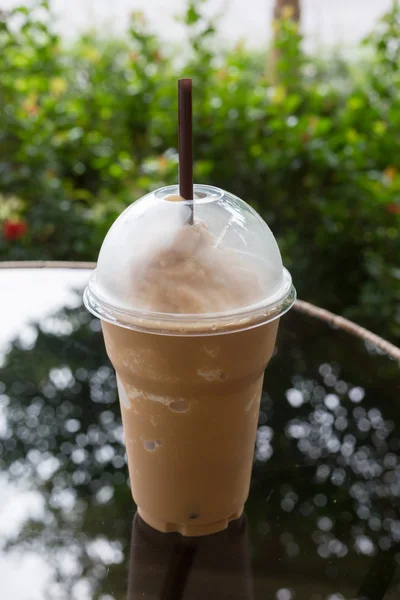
190, 315
190, 410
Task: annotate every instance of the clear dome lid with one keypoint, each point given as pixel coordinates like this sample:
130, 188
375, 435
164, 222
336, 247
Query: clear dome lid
189, 267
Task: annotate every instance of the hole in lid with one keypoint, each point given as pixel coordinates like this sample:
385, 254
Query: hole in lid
202, 194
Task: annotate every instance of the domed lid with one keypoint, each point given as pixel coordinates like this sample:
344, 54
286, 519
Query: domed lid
189, 267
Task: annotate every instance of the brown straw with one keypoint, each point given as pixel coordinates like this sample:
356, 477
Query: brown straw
185, 140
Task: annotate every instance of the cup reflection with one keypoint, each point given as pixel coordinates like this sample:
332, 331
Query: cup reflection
170, 567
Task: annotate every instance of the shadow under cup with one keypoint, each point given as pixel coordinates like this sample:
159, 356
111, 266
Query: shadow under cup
213, 567
190, 410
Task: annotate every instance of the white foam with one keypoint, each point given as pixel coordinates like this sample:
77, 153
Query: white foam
129, 365
213, 352
154, 232
209, 374
133, 393
175, 404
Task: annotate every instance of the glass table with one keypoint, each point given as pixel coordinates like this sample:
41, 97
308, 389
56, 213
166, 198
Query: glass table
323, 517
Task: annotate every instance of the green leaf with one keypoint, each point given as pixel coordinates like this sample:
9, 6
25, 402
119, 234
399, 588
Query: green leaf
192, 16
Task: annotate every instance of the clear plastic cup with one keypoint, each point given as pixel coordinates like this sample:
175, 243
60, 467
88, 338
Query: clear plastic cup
190, 315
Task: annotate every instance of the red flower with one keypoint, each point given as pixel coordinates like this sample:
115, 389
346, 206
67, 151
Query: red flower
13, 230
393, 208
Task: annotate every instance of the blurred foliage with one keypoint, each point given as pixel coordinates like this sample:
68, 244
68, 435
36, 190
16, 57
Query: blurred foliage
88, 128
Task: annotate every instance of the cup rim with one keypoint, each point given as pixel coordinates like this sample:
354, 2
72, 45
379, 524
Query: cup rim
183, 325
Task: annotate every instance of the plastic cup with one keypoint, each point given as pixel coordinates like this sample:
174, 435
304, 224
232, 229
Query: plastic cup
190, 315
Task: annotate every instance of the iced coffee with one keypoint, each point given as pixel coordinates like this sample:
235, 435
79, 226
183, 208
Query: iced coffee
190, 315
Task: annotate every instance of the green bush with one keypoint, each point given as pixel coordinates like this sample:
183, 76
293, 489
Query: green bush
86, 129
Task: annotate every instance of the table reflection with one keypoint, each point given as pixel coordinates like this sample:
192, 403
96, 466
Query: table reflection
323, 513
168, 566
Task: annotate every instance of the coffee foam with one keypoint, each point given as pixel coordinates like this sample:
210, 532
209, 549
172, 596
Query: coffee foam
159, 274
173, 267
